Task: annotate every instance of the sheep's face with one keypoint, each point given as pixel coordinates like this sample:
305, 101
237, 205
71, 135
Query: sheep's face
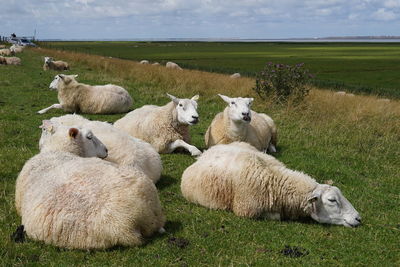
239, 108
186, 109
60, 80
75, 140
330, 206
47, 60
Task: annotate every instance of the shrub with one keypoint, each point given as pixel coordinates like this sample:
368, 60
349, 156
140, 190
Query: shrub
283, 82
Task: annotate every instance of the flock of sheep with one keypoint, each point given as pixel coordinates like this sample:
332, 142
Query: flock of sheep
92, 185
6, 53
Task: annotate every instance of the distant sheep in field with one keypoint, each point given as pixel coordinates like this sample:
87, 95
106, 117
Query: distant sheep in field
340, 93
144, 62
2, 46
85, 203
5, 52
239, 178
16, 49
123, 149
238, 123
172, 65
10, 61
156, 64
78, 97
235, 75
50, 64
166, 128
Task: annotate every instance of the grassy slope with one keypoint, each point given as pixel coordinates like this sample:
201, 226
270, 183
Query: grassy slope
352, 140
361, 67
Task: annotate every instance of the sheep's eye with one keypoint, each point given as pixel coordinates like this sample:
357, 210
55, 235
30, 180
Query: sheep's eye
332, 200
233, 103
89, 136
180, 105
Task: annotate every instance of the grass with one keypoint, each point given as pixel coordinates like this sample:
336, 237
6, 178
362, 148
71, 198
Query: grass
370, 68
353, 141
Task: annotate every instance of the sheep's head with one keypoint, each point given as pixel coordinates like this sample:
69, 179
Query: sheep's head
239, 108
330, 206
79, 141
61, 79
47, 60
186, 109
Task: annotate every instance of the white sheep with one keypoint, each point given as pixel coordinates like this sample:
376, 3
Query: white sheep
238, 123
2, 46
10, 60
85, 203
50, 64
5, 52
239, 178
173, 65
78, 97
156, 64
144, 62
16, 49
166, 128
235, 75
123, 149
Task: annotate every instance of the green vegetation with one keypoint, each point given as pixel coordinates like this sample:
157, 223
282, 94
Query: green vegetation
371, 68
353, 141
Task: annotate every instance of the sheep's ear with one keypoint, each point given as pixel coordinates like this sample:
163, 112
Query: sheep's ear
225, 98
73, 132
316, 194
173, 98
195, 98
47, 125
62, 76
250, 100
75, 75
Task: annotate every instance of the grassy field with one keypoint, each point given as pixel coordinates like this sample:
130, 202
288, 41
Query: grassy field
353, 141
358, 67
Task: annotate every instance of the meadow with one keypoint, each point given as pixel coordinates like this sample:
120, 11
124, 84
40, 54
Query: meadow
370, 68
353, 141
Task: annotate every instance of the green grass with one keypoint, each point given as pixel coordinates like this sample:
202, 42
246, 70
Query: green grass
359, 152
371, 68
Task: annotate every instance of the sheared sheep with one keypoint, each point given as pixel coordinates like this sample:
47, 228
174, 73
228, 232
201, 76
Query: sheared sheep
5, 52
252, 184
235, 75
10, 60
238, 123
123, 149
173, 65
166, 128
78, 97
85, 203
144, 62
50, 64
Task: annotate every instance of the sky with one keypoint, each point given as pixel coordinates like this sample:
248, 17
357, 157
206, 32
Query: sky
146, 19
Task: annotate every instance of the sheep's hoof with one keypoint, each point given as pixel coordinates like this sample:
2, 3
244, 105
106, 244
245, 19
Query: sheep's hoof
196, 153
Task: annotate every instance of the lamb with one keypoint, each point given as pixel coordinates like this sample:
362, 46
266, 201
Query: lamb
166, 128
235, 75
238, 123
50, 64
144, 62
85, 203
78, 97
238, 178
173, 65
5, 52
123, 149
10, 60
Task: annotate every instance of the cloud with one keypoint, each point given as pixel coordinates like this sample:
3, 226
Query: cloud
384, 15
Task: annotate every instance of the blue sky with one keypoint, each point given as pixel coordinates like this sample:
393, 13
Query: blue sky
99, 19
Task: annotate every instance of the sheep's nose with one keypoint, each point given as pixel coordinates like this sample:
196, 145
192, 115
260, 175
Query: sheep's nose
358, 218
245, 113
195, 117
106, 150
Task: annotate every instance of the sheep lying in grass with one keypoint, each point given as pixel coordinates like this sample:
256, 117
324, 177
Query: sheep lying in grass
2, 46
235, 75
238, 123
123, 149
78, 97
172, 65
166, 128
144, 62
5, 52
50, 64
10, 61
85, 203
16, 49
252, 184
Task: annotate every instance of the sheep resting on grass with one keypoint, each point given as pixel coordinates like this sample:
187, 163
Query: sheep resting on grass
166, 128
239, 178
10, 61
84, 203
98, 99
238, 123
50, 64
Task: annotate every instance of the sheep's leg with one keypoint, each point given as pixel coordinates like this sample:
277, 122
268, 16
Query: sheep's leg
58, 106
180, 143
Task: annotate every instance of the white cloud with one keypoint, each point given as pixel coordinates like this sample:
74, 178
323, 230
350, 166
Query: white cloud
392, 4
384, 15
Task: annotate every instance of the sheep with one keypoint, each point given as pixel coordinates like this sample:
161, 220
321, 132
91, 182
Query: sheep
10, 60
78, 97
235, 75
50, 64
166, 128
156, 64
5, 52
238, 178
340, 93
172, 65
238, 123
85, 203
16, 49
2, 46
144, 62
123, 149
